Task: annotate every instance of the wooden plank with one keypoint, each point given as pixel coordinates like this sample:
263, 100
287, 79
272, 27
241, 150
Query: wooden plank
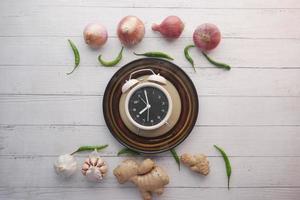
66, 21
238, 141
264, 172
53, 51
93, 80
87, 110
132, 193
187, 4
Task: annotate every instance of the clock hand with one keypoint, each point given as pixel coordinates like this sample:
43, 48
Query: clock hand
148, 114
146, 97
142, 111
147, 107
143, 100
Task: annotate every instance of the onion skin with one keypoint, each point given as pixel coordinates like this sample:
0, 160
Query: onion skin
95, 35
171, 27
207, 36
131, 30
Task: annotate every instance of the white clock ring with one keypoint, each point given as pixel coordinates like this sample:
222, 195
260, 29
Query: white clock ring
148, 106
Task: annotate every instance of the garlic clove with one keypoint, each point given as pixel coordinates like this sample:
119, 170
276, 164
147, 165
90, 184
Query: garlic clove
103, 169
65, 165
94, 168
93, 161
84, 168
100, 162
94, 174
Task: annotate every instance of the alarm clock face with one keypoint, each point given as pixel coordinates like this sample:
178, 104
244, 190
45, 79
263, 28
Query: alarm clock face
148, 106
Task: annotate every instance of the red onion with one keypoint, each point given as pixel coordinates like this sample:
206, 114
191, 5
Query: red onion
95, 35
131, 30
171, 27
207, 36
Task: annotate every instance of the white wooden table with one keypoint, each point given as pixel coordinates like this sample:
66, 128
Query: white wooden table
253, 111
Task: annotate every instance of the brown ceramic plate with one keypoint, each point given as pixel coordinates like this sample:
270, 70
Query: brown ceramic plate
173, 137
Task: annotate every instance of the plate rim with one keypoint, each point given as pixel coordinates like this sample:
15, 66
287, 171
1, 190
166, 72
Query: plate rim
196, 108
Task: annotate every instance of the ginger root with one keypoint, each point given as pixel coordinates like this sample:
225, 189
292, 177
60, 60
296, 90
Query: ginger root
198, 163
148, 177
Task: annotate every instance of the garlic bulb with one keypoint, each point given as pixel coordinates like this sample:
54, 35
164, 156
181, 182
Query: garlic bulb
65, 165
94, 167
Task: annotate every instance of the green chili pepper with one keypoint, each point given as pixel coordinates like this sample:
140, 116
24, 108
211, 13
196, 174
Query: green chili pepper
227, 163
154, 54
113, 62
217, 64
187, 55
90, 148
176, 157
76, 55
126, 150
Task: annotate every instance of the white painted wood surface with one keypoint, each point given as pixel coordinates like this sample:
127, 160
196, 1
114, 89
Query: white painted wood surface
253, 111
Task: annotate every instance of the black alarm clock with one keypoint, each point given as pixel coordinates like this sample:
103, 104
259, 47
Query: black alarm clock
148, 105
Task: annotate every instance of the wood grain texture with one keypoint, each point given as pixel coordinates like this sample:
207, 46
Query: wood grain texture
132, 193
239, 53
52, 80
238, 141
252, 111
87, 110
200, 4
69, 21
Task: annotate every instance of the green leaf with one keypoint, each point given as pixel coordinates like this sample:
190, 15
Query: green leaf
128, 151
176, 157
